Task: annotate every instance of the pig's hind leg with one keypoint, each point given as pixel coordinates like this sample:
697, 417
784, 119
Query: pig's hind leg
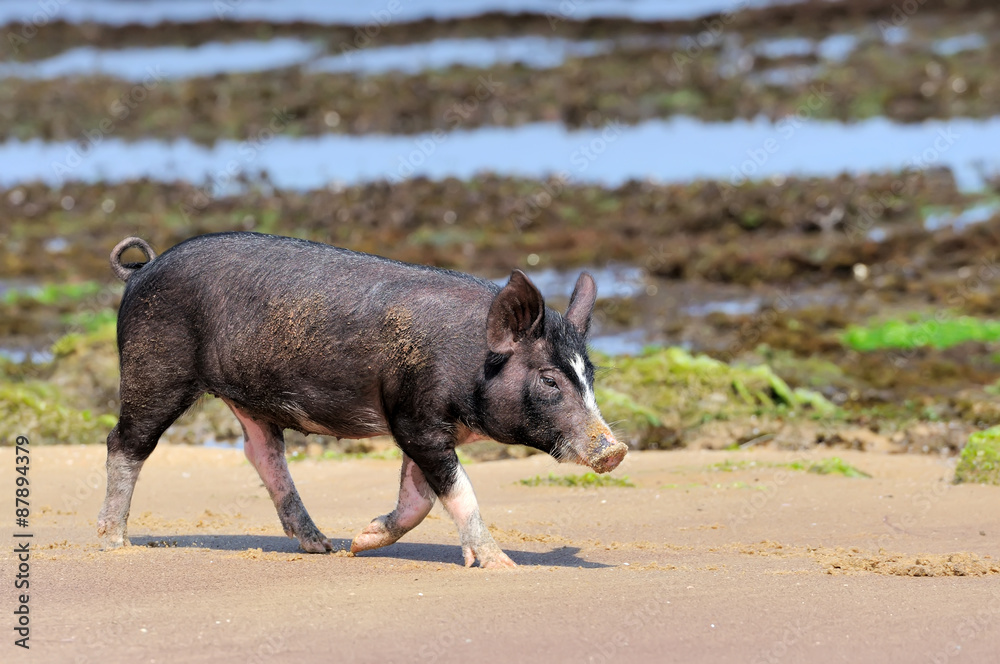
130, 443
416, 498
264, 446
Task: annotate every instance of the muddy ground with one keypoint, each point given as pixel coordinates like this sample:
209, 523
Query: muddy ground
759, 564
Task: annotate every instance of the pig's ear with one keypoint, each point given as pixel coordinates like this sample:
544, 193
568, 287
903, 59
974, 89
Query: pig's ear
517, 311
581, 303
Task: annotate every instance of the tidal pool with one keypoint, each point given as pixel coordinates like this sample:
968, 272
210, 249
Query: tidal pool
678, 149
168, 62
124, 12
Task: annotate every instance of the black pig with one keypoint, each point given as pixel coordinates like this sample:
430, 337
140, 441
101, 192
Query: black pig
299, 335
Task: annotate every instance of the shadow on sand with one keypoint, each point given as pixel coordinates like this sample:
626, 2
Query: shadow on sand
565, 556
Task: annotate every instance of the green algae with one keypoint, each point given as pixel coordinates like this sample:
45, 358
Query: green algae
830, 466
50, 294
980, 459
585, 481
730, 466
39, 411
92, 321
650, 396
931, 333
833, 466
93, 338
71, 399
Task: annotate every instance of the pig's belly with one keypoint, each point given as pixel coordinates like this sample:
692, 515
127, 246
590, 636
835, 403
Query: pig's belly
328, 395
356, 422
336, 415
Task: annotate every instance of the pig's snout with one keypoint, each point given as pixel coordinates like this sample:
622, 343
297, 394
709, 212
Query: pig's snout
606, 453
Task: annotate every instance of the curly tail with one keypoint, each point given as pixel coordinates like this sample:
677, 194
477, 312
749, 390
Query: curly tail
125, 270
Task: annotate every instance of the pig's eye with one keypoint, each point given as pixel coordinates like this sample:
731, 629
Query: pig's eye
548, 381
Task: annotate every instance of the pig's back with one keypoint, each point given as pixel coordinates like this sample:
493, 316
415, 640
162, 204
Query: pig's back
241, 273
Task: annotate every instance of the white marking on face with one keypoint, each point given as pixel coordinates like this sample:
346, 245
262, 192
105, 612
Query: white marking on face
588, 394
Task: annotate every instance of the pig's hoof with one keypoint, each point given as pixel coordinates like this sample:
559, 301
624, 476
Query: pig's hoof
318, 545
111, 545
489, 557
374, 536
110, 542
313, 541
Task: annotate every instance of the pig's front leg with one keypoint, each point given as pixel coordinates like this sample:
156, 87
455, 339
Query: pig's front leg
416, 498
477, 542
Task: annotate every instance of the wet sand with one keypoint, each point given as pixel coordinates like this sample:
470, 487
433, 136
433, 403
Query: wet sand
761, 564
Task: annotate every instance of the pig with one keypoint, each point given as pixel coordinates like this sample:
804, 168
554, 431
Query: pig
293, 334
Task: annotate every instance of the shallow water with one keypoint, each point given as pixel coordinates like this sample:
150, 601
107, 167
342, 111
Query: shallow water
784, 47
531, 51
676, 150
792, 75
371, 15
22, 355
631, 342
170, 62
837, 47
960, 44
739, 59
7, 285
958, 221
179, 62
613, 280
739, 307
224, 444
895, 35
